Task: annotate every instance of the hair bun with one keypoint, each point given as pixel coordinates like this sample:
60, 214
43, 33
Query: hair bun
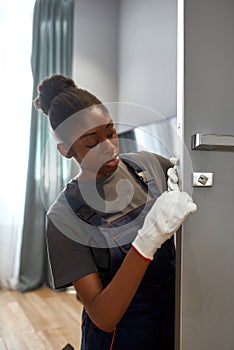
51, 87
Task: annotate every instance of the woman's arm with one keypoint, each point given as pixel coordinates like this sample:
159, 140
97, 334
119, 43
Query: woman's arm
106, 306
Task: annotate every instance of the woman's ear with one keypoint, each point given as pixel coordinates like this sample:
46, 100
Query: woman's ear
63, 149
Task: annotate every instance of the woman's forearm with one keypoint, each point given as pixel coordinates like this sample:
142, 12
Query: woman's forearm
108, 305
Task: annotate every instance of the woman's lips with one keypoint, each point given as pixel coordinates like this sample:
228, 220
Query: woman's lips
113, 162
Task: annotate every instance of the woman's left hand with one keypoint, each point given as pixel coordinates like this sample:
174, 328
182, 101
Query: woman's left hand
173, 177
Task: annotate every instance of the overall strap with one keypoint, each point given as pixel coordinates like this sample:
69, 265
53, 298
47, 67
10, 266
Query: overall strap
84, 211
142, 174
135, 168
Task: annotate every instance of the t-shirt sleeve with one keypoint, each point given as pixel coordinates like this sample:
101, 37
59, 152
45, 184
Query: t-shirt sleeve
69, 260
156, 165
164, 162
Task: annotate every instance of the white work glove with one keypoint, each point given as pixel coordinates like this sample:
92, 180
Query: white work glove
164, 218
173, 177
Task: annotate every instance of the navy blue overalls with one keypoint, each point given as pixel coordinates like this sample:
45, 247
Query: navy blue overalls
148, 323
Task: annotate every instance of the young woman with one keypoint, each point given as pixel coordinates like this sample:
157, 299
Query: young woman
110, 231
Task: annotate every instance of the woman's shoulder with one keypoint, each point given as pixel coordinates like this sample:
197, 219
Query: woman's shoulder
62, 202
62, 215
148, 159
153, 164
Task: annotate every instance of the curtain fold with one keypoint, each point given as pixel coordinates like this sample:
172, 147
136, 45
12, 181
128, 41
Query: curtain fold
52, 48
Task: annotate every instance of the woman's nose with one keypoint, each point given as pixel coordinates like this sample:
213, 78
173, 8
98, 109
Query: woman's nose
109, 145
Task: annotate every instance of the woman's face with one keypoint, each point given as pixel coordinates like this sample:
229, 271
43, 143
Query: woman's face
97, 148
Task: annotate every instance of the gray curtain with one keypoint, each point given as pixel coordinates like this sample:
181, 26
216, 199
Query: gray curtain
51, 53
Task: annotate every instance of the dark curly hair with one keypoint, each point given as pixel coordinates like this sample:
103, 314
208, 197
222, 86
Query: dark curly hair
59, 98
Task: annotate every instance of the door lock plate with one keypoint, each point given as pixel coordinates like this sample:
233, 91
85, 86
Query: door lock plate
202, 179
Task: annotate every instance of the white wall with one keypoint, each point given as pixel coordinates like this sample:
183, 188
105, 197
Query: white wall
95, 65
126, 51
147, 54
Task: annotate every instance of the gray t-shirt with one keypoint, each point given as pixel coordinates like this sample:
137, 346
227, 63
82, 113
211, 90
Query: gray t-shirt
70, 254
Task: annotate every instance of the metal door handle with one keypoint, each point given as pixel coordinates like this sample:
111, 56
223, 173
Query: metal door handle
212, 142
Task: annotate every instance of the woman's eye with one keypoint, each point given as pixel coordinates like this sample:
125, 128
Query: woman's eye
92, 146
110, 135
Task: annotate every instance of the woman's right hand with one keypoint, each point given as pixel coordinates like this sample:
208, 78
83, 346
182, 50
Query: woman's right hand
164, 218
106, 306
